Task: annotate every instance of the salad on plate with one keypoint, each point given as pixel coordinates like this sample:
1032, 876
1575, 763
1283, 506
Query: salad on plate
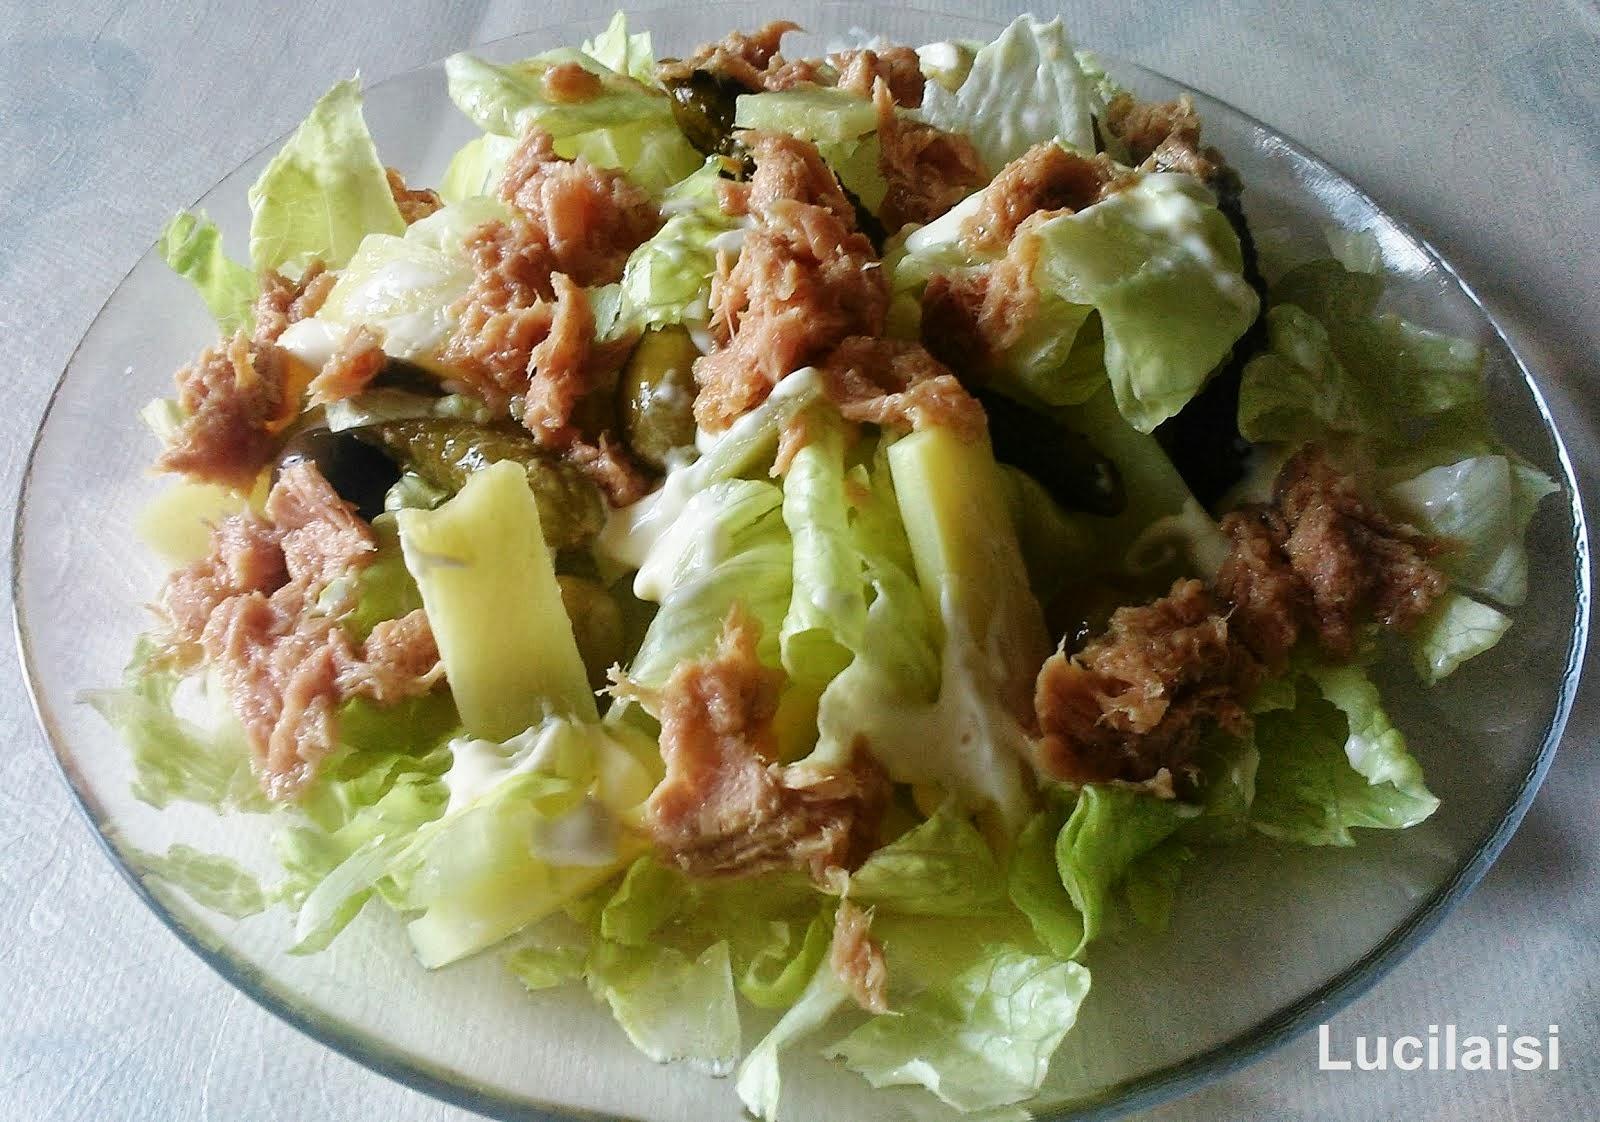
836, 536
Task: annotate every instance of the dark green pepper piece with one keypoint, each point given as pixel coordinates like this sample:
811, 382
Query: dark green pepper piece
596, 625
444, 452
703, 105
1064, 462
655, 396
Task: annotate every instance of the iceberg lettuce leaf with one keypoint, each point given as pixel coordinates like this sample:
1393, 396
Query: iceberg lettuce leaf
1108, 829
191, 245
323, 192
980, 1041
940, 867
616, 49
1455, 629
673, 1007
1481, 506
209, 879
1022, 89
1334, 763
1163, 267
175, 758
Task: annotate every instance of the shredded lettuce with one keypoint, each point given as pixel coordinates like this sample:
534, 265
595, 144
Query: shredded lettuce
1163, 268
667, 280
1481, 507
1456, 629
323, 192
1157, 261
1024, 88
191, 245
404, 287
531, 825
629, 54
627, 125
980, 1041
968, 738
475, 170
672, 1007
1334, 763
826, 623
941, 867
1297, 390
758, 1080
729, 545
1064, 873
175, 758
1339, 365
209, 879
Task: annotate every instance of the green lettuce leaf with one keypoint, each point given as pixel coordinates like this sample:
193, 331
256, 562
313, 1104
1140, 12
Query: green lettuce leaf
628, 125
940, 867
668, 278
364, 807
729, 545
532, 824
982, 1040
405, 287
1157, 261
323, 192
766, 921
1151, 884
1375, 375
545, 967
1455, 629
1062, 875
209, 879
758, 1080
825, 625
475, 170
175, 758
967, 738
1481, 507
1163, 268
1334, 763
779, 972
1297, 390
1024, 88
633, 534
191, 245
615, 49
672, 1007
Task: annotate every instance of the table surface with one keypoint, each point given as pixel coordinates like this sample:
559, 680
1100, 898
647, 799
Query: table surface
1473, 120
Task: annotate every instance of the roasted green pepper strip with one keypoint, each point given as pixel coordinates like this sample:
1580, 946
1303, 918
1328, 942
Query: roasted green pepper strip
655, 396
703, 105
444, 452
1064, 462
596, 625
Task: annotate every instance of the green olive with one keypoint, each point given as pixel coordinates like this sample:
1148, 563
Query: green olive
445, 451
655, 396
596, 625
703, 105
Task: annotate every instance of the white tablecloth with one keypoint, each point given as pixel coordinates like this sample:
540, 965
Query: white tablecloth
1477, 121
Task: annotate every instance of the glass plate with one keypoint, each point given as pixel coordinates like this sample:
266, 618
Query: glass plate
1266, 940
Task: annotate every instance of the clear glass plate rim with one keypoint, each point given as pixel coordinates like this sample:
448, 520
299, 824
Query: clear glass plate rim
1142, 1093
